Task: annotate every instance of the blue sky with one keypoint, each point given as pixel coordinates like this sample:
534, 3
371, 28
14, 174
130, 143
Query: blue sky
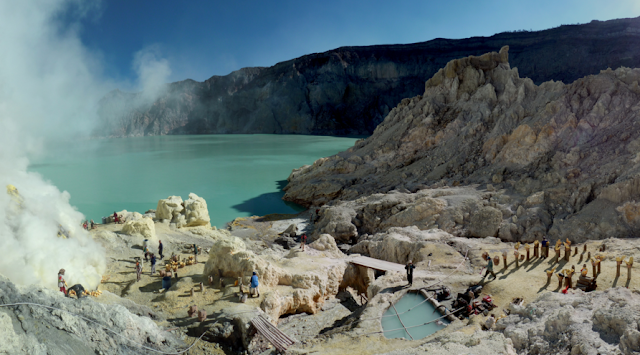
198, 39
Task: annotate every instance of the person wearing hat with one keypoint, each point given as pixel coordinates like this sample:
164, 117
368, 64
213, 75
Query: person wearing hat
61, 282
409, 267
254, 285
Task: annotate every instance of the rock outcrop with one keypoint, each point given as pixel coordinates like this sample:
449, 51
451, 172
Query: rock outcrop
310, 279
30, 329
604, 322
350, 90
190, 213
142, 226
484, 152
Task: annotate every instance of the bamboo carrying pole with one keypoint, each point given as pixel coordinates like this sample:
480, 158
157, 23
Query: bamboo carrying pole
593, 264
504, 258
517, 255
557, 249
567, 280
629, 265
598, 262
618, 263
526, 247
549, 274
560, 279
536, 245
567, 252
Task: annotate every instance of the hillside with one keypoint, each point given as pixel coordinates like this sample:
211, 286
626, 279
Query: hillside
517, 160
349, 90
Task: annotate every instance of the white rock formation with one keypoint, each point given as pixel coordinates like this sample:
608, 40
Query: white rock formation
143, 227
312, 278
190, 213
196, 212
169, 208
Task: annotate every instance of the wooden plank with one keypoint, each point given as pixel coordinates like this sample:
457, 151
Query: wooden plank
377, 264
264, 332
274, 335
277, 331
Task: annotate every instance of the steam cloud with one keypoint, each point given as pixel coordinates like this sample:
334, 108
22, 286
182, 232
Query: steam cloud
49, 87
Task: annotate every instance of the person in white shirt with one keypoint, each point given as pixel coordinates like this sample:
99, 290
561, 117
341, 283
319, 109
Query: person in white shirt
490, 322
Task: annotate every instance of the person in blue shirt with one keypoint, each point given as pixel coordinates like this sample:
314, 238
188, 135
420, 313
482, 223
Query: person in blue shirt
254, 285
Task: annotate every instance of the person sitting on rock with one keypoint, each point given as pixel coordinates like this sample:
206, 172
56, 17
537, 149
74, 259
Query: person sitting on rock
254, 285
490, 322
410, 267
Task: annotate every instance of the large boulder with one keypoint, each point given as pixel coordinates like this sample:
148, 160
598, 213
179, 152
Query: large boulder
338, 222
169, 208
190, 213
485, 222
196, 212
143, 227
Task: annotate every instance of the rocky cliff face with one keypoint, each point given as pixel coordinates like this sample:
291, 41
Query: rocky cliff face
484, 152
350, 90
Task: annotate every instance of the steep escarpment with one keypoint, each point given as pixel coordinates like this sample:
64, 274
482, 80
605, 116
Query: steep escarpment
515, 159
350, 90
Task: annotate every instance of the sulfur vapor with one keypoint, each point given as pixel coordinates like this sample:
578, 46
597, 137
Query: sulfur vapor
49, 88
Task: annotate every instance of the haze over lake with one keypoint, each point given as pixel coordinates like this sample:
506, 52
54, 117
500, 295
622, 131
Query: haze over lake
238, 175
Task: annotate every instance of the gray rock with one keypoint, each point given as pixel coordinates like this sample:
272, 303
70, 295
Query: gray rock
485, 222
30, 329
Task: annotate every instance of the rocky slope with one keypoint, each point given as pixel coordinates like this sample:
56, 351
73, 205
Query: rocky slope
28, 329
517, 160
350, 90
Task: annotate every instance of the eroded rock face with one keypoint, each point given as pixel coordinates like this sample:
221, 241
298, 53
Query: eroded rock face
312, 278
551, 159
143, 227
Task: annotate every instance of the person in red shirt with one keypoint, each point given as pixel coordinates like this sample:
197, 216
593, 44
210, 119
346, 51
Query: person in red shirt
61, 282
303, 241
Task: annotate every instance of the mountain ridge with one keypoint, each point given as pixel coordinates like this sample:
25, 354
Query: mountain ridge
349, 90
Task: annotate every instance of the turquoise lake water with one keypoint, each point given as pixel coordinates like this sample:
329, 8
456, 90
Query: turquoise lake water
238, 175
413, 319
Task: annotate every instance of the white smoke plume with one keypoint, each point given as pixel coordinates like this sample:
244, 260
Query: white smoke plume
153, 72
49, 88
